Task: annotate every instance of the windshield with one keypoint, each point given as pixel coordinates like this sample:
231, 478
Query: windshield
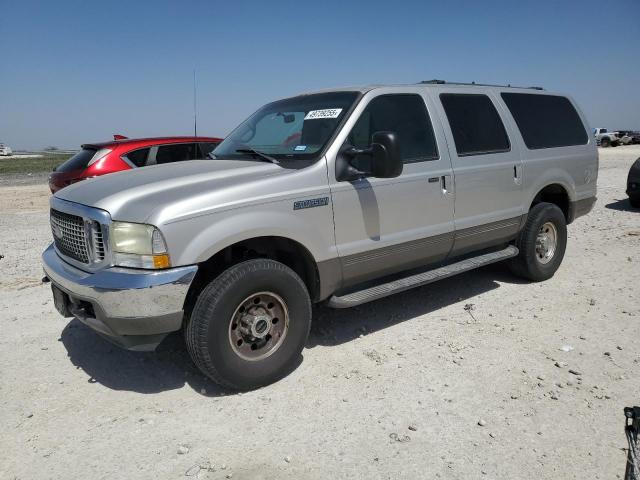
292, 129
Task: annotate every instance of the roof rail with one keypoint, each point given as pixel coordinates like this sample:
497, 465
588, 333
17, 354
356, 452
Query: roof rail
444, 82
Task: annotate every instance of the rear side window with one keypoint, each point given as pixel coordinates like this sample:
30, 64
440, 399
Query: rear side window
546, 121
176, 153
78, 162
138, 157
475, 124
404, 114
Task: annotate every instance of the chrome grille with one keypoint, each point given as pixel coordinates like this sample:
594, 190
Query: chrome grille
70, 237
97, 239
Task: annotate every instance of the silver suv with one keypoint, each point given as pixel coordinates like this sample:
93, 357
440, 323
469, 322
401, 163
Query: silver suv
340, 196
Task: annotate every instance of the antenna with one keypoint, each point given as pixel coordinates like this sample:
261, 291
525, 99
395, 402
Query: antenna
195, 111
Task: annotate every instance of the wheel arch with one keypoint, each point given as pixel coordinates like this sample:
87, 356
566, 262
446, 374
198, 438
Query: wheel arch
288, 251
556, 193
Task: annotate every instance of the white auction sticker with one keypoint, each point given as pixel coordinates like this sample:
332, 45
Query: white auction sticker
326, 113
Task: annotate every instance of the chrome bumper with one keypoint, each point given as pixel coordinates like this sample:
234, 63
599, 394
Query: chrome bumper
134, 308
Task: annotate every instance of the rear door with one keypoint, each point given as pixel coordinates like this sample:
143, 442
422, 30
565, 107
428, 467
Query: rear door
486, 165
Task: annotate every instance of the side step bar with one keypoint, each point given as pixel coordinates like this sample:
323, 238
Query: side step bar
402, 284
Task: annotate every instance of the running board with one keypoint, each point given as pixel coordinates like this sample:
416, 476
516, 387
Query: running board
419, 279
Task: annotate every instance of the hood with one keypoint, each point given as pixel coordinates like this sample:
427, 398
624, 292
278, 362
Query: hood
171, 191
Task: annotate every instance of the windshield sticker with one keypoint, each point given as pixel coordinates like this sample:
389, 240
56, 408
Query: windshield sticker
300, 148
326, 113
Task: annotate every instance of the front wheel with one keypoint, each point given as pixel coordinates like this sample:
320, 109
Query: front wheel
250, 324
605, 142
542, 243
634, 200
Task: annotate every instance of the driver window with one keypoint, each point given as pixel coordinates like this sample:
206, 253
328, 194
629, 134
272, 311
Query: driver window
404, 114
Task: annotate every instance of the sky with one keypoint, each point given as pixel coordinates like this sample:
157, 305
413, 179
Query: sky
80, 71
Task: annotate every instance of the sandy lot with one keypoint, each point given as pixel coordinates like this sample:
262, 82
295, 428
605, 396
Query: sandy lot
393, 389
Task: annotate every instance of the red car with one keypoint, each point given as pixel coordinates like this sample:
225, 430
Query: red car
125, 153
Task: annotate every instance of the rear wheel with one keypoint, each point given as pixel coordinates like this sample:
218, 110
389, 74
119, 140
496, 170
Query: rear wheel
634, 200
250, 324
542, 243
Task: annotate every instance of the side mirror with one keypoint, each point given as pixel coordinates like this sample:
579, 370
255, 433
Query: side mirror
385, 159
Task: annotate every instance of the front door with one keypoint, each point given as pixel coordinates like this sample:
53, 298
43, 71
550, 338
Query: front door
385, 225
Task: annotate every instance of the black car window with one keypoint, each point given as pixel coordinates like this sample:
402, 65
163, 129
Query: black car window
177, 152
78, 162
546, 121
206, 148
403, 114
138, 157
475, 124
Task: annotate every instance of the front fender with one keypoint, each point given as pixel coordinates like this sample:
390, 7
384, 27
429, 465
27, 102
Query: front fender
198, 239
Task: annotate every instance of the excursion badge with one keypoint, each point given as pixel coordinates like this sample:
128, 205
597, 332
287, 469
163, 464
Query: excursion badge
314, 202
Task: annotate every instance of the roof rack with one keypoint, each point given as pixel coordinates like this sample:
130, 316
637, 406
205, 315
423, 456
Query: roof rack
444, 82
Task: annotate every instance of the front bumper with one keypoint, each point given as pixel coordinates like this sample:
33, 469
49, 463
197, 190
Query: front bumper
135, 309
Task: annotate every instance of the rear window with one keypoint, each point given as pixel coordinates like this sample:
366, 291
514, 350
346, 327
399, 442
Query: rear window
78, 162
475, 124
138, 157
546, 121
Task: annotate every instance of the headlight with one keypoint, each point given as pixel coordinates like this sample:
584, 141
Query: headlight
139, 246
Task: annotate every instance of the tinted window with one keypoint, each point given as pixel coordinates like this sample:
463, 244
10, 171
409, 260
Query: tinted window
545, 121
138, 157
206, 149
407, 116
475, 124
78, 162
176, 153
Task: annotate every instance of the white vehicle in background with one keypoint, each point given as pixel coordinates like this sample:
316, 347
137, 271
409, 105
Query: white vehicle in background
5, 150
605, 138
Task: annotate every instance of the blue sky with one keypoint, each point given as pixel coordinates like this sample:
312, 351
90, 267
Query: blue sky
79, 71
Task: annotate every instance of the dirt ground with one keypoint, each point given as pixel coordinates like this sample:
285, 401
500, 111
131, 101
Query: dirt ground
394, 389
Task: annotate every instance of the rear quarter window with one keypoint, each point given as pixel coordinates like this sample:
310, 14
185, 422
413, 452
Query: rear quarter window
546, 121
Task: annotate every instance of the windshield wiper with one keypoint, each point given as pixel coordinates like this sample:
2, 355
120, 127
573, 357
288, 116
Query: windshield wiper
258, 154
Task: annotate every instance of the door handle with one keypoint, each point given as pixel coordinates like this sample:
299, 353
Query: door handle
517, 174
446, 185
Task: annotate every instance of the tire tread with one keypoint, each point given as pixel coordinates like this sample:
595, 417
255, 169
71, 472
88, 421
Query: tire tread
196, 330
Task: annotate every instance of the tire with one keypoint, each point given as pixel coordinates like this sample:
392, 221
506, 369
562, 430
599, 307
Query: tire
545, 220
235, 306
634, 200
605, 142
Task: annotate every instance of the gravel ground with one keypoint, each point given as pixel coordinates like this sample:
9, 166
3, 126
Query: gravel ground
478, 376
18, 179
